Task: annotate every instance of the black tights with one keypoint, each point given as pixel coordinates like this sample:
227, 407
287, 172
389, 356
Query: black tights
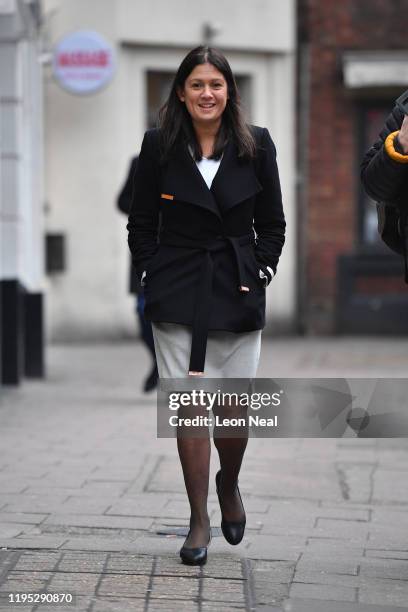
194, 455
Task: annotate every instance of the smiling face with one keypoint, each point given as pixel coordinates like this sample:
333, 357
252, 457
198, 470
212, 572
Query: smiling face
205, 94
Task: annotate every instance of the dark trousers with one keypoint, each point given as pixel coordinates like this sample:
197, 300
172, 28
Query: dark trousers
145, 326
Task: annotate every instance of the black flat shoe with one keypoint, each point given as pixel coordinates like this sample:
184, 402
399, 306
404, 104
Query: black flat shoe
233, 531
194, 556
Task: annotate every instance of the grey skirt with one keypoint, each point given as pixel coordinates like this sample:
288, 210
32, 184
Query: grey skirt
229, 354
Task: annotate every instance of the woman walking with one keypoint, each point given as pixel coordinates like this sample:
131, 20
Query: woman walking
206, 230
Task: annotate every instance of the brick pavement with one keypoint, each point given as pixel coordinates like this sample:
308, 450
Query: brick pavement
87, 494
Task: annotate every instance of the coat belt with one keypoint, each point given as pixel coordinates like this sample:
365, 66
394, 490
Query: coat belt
203, 298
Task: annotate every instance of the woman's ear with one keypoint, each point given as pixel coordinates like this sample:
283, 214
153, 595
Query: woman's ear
180, 93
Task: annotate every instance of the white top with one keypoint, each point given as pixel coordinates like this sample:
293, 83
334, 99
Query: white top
208, 169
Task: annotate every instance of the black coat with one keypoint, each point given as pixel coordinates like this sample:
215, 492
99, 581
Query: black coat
385, 179
124, 202
205, 270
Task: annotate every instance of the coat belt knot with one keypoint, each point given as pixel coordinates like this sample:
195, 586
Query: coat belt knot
202, 308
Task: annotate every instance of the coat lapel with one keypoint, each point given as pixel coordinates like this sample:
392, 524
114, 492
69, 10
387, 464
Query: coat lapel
183, 180
234, 182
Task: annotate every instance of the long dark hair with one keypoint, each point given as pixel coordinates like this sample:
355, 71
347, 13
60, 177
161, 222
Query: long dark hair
175, 122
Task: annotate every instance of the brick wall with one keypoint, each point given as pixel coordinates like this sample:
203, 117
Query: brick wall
327, 28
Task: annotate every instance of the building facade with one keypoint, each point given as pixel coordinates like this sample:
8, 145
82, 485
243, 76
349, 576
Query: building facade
352, 65
90, 140
21, 192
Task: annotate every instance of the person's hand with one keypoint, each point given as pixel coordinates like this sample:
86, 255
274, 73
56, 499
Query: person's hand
403, 135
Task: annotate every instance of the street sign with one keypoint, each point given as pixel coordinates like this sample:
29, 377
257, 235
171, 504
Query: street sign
83, 62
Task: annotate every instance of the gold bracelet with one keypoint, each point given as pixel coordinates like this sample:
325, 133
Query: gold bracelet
389, 147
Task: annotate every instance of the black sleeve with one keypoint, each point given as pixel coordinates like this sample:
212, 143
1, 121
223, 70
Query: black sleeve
125, 197
144, 212
269, 218
384, 178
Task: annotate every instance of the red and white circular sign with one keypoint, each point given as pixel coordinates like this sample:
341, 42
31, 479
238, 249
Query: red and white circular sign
83, 62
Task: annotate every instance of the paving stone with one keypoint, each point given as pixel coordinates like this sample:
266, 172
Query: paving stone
335, 546
177, 509
72, 530
355, 481
287, 483
8, 559
397, 540
25, 582
340, 526
216, 589
387, 554
289, 530
64, 479
314, 605
223, 566
80, 583
395, 594
272, 542
167, 523
319, 591
274, 572
389, 516
35, 542
76, 561
344, 504
173, 566
208, 606
148, 504
79, 604
328, 578
38, 561
11, 530
12, 485
178, 587
347, 513
23, 518
86, 505
387, 568
129, 563
390, 486
103, 487
166, 605
5, 606
123, 585
40, 505
267, 593
39, 488
116, 604
330, 564
275, 553
96, 543
286, 506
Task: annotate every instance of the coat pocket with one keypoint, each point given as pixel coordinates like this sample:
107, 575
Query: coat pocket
253, 266
152, 263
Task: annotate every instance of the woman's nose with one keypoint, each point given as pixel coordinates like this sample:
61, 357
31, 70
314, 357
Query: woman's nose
206, 93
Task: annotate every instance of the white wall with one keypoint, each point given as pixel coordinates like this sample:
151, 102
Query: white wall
83, 174
259, 25
89, 142
21, 162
